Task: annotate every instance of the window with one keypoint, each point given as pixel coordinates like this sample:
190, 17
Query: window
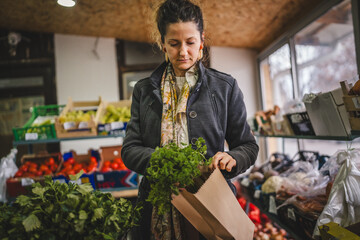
325, 51
313, 57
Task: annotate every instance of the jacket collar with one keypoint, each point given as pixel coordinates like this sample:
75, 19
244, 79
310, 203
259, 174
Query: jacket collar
155, 78
157, 74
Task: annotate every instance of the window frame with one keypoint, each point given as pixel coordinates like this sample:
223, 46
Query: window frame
288, 38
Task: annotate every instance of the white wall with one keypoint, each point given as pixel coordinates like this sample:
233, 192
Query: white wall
239, 63
83, 77
80, 74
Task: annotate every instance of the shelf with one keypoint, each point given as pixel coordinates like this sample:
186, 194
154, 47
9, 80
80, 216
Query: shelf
354, 135
17, 143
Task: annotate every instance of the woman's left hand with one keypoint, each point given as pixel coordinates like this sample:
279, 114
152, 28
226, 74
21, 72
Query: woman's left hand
224, 161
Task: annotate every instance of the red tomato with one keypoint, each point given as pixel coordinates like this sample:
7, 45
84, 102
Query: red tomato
107, 164
53, 167
50, 161
47, 172
71, 160
77, 167
117, 160
114, 165
32, 169
27, 163
39, 173
106, 169
44, 168
24, 168
91, 168
93, 159
71, 172
33, 165
67, 163
19, 174
122, 166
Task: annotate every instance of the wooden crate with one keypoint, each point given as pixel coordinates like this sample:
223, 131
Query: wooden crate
90, 130
115, 128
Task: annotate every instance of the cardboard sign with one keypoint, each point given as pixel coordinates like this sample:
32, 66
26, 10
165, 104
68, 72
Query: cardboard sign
214, 210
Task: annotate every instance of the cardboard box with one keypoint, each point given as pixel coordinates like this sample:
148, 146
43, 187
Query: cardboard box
115, 178
214, 210
328, 114
281, 127
88, 177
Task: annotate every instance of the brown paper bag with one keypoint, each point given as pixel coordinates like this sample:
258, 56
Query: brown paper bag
214, 210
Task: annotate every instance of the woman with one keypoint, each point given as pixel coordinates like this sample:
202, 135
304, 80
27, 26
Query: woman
180, 102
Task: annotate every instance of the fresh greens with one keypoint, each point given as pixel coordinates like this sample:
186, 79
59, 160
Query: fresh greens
171, 168
66, 211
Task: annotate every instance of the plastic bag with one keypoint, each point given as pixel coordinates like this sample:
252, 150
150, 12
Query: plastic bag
343, 206
302, 179
294, 106
8, 169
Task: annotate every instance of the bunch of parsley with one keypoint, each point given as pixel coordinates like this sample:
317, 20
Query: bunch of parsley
67, 211
171, 168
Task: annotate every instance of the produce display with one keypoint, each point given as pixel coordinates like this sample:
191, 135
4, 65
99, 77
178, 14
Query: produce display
116, 114
110, 165
67, 211
32, 169
71, 166
171, 168
77, 116
264, 228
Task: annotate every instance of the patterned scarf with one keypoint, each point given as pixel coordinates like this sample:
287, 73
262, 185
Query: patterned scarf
173, 129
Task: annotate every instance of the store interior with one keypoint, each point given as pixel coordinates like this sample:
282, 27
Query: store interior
288, 57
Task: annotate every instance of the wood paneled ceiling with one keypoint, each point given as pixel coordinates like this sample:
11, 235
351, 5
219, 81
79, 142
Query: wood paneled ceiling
250, 24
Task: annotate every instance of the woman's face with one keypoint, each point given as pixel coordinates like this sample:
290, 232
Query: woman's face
182, 43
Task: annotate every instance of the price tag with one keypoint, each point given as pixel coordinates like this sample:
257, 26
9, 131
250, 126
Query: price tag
291, 214
69, 125
272, 205
31, 136
100, 177
27, 181
257, 194
107, 127
83, 125
245, 182
78, 182
117, 125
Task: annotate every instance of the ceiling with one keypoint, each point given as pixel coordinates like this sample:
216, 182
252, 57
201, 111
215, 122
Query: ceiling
250, 24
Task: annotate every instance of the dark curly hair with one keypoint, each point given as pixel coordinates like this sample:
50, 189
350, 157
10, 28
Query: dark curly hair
174, 11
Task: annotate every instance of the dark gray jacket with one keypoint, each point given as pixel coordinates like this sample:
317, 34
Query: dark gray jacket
216, 112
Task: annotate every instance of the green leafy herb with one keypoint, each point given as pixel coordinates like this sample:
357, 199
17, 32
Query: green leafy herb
67, 211
171, 168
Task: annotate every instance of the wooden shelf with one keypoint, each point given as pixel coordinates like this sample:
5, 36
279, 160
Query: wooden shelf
17, 143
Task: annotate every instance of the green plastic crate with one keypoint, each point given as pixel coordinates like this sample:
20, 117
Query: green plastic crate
27, 132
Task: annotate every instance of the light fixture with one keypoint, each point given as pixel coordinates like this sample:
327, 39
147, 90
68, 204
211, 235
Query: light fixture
66, 3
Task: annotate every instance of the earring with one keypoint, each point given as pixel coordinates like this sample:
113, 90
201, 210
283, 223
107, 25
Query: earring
200, 54
166, 58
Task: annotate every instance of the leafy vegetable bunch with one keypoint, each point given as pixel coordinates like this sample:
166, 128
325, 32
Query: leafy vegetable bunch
171, 168
66, 211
